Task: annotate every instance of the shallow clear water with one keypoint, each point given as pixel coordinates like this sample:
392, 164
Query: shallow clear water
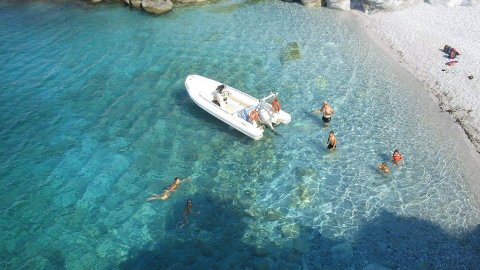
95, 117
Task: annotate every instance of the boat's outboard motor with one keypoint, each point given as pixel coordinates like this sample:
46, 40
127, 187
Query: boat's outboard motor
265, 116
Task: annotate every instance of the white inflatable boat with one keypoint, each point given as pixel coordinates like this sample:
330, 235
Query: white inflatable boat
241, 111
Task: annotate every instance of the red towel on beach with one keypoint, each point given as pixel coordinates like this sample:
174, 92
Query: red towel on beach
451, 63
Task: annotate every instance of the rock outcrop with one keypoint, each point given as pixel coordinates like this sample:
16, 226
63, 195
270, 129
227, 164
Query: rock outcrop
162, 6
191, 1
157, 6
134, 3
339, 4
151, 6
389, 5
450, 3
386, 5
313, 3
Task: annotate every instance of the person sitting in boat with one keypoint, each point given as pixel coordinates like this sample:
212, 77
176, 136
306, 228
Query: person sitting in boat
396, 157
222, 95
253, 116
167, 191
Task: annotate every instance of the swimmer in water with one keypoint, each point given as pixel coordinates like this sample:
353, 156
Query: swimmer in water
186, 212
396, 157
384, 168
168, 190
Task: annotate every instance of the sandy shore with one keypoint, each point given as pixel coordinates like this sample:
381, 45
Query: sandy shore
415, 38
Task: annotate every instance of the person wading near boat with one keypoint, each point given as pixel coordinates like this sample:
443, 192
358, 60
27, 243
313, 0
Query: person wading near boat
332, 141
168, 190
276, 105
327, 111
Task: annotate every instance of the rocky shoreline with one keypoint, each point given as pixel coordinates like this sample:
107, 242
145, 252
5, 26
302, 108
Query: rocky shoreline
164, 6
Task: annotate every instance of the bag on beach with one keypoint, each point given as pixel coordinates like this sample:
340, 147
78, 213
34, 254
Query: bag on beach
446, 49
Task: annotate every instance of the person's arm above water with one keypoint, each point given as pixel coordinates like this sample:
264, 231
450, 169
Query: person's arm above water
320, 110
186, 179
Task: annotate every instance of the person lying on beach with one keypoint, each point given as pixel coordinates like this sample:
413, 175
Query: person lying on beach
332, 141
168, 190
327, 111
450, 51
396, 157
383, 168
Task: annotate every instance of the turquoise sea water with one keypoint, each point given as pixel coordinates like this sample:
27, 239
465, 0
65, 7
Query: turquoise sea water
94, 118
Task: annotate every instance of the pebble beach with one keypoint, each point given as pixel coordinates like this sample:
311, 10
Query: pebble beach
415, 38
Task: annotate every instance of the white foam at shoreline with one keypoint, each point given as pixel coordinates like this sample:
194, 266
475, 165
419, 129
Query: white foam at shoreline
415, 37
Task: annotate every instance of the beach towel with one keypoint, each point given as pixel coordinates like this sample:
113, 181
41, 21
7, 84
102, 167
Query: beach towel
244, 115
451, 63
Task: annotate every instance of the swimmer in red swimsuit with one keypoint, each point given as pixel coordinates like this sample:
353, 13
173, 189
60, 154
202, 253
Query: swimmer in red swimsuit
396, 157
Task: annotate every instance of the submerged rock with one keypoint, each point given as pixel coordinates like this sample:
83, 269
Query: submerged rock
342, 253
207, 250
227, 8
292, 257
290, 231
260, 251
291, 52
375, 266
251, 212
301, 246
301, 196
304, 172
263, 264
273, 214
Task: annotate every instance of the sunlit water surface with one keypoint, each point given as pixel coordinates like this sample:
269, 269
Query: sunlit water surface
95, 117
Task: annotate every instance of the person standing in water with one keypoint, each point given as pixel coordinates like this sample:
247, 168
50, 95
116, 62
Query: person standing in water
332, 141
327, 111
